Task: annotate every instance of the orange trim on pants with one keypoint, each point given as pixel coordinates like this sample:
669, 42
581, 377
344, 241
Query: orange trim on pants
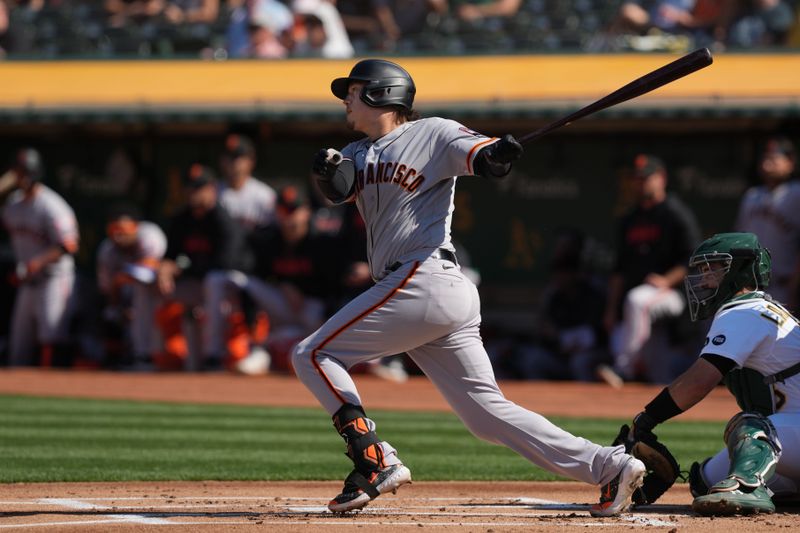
353, 321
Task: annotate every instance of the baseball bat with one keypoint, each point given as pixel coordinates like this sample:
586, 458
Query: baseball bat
691, 62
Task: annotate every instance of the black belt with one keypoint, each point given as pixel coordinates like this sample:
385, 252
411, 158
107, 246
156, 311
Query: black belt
439, 253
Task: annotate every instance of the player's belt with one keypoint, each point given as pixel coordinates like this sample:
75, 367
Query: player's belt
439, 253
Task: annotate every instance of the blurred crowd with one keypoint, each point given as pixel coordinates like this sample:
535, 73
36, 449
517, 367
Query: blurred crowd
222, 29
240, 271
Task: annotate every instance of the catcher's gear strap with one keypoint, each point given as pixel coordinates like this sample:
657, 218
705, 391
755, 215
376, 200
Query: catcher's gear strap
752, 394
662, 468
340, 186
753, 448
783, 375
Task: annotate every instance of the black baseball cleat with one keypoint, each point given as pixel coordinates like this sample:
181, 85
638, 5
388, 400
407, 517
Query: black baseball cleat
359, 490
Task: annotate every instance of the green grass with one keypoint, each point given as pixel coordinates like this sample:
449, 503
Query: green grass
58, 439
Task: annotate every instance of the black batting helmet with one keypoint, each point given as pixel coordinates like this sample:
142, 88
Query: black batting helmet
386, 84
29, 163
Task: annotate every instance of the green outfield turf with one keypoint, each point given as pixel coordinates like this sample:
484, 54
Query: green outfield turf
58, 439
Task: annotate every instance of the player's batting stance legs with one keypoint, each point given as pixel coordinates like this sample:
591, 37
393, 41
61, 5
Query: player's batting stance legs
446, 345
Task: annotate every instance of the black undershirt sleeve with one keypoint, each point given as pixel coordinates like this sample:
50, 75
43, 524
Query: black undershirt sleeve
723, 364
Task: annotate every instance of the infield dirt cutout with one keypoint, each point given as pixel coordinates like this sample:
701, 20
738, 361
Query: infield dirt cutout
301, 506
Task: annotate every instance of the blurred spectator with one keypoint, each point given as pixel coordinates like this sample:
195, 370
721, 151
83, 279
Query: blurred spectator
3, 28
201, 238
761, 23
654, 242
324, 34
772, 211
237, 33
124, 12
127, 262
270, 25
370, 24
569, 336
20, 32
44, 236
251, 204
704, 22
191, 11
475, 10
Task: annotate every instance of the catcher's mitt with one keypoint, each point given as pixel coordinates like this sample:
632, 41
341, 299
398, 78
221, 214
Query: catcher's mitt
662, 468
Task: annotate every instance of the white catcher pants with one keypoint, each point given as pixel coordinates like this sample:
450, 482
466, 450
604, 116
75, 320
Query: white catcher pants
430, 310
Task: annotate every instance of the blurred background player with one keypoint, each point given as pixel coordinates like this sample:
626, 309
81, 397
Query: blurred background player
654, 240
127, 263
250, 203
772, 211
569, 341
44, 236
201, 238
299, 270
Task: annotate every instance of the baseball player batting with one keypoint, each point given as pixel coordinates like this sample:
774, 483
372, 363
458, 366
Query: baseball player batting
402, 177
44, 235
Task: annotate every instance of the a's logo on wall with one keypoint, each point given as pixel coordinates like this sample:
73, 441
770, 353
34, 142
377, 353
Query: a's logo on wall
719, 339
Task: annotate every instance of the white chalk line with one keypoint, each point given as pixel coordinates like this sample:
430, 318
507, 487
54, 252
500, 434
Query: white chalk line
521, 502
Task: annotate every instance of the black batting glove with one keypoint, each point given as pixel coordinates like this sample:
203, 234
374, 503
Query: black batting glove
506, 150
322, 165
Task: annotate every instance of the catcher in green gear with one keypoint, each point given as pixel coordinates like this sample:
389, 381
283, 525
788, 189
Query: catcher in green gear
753, 345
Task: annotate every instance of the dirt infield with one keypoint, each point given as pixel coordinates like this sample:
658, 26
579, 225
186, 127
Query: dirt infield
300, 507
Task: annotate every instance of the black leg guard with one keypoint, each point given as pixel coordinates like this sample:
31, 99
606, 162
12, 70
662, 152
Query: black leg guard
358, 432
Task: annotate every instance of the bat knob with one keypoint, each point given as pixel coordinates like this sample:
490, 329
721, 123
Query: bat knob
334, 156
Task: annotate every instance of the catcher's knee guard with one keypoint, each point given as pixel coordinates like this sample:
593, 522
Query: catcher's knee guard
753, 449
363, 445
698, 484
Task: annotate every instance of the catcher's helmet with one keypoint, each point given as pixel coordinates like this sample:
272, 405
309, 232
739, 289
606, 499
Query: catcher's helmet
720, 267
386, 84
28, 163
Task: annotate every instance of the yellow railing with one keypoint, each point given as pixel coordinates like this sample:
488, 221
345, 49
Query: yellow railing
439, 80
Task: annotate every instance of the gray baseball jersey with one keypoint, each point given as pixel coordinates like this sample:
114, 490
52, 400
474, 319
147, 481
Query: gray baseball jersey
41, 308
251, 205
773, 215
405, 183
151, 244
39, 223
423, 304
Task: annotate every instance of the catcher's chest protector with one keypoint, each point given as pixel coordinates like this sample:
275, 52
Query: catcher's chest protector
751, 393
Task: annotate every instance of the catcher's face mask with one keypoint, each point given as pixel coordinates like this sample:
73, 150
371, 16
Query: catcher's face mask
705, 287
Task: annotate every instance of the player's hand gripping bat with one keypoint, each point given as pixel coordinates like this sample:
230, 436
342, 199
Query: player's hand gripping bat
679, 68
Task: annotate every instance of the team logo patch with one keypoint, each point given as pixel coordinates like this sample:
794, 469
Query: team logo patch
471, 132
719, 339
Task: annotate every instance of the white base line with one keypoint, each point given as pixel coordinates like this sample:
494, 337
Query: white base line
518, 503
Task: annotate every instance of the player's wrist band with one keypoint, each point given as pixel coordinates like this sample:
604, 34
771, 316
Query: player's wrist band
663, 407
